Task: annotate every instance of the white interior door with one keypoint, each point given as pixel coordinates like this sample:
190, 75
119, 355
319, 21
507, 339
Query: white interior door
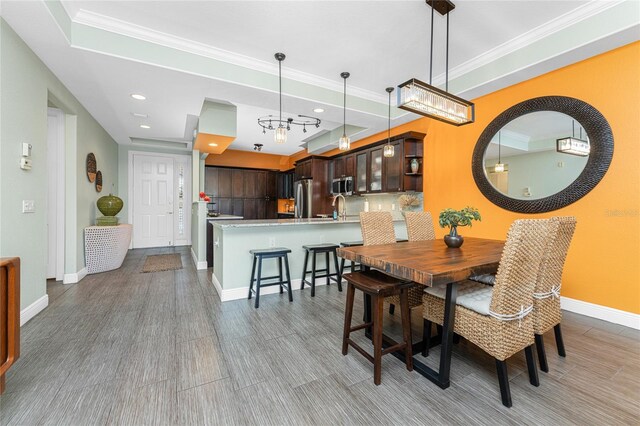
152, 201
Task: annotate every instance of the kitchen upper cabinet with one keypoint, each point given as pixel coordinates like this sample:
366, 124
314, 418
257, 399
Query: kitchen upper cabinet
260, 184
237, 183
361, 172
349, 165
211, 181
392, 169
285, 184
250, 193
338, 167
304, 169
373, 172
272, 188
375, 169
224, 182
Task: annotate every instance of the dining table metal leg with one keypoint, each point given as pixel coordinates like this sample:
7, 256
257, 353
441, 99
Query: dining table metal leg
447, 333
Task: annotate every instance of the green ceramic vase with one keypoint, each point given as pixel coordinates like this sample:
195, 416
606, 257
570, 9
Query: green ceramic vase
110, 205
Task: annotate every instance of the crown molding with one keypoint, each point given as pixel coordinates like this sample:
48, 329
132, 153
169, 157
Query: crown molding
549, 28
127, 29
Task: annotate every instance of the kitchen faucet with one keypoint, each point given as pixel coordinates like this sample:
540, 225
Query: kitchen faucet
344, 205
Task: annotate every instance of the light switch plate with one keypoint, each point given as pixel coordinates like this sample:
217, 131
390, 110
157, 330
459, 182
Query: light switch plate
28, 206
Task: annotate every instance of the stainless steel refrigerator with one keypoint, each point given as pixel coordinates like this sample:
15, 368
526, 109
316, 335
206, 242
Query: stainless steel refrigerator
303, 195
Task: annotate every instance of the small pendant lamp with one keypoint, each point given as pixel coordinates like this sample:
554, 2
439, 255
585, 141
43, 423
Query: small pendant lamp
344, 144
388, 148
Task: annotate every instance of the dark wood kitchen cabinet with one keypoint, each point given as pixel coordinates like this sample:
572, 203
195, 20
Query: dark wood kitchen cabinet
349, 165
392, 170
250, 193
285, 184
374, 173
304, 169
317, 168
237, 183
224, 182
361, 172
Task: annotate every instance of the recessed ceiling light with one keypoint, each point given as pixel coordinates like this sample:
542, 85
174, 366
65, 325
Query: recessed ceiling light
145, 126
138, 96
213, 144
318, 110
137, 114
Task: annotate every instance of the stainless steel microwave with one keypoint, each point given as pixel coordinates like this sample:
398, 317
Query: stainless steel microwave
342, 185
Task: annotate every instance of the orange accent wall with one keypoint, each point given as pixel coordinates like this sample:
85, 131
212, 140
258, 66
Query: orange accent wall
235, 158
603, 264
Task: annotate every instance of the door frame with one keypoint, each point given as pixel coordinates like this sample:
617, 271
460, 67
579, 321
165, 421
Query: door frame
59, 182
187, 159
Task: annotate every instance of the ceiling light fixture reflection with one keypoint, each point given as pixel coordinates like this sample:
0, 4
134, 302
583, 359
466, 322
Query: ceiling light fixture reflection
499, 167
318, 110
267, 122
572, 145
138, 96
145, 126
213, 144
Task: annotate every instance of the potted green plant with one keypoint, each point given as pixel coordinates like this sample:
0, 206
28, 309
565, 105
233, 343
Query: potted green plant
454, 218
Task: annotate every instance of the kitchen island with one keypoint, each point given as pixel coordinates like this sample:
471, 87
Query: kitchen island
232, 241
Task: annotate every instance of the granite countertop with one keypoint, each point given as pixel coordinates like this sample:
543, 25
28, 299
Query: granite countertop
288, 222
225, 217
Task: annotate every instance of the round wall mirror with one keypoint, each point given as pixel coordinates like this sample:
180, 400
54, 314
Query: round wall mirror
542, 154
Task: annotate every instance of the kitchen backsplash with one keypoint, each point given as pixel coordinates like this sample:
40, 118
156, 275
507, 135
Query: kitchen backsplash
384, 202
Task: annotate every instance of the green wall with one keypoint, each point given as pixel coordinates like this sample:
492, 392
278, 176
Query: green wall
26, 88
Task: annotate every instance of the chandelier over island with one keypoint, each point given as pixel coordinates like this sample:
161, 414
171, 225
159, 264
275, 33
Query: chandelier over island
278, 124
425, 99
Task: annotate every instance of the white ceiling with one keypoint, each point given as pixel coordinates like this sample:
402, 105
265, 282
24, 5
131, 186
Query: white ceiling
381, 43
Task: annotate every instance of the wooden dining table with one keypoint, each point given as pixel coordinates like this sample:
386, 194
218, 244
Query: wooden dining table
430, 263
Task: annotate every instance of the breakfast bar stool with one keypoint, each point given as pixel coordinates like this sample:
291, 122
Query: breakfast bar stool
377, 285
316, 249
354, 265
279, 253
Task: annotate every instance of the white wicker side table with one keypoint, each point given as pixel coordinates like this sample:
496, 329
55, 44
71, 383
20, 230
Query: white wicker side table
105, 247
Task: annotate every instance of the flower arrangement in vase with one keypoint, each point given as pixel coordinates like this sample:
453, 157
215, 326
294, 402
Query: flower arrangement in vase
408, 200
454, 218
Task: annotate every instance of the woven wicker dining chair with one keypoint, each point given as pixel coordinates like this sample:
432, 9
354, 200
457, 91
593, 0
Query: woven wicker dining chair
377, 228
419, 226
498, 318
546, 298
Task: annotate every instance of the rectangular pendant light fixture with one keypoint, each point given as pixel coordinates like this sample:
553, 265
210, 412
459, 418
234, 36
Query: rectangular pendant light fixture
573, 146
424, 99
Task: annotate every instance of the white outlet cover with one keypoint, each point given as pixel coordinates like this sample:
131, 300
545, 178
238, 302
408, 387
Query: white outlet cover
28, 206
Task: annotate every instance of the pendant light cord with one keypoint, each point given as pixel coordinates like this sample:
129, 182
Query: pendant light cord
280, 88
446, 69
499, 146
431, 52
344, 109
389, 122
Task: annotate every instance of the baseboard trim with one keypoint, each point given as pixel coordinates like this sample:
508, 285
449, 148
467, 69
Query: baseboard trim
605, 313
200, 265
33, 309
242, 292
75, 277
